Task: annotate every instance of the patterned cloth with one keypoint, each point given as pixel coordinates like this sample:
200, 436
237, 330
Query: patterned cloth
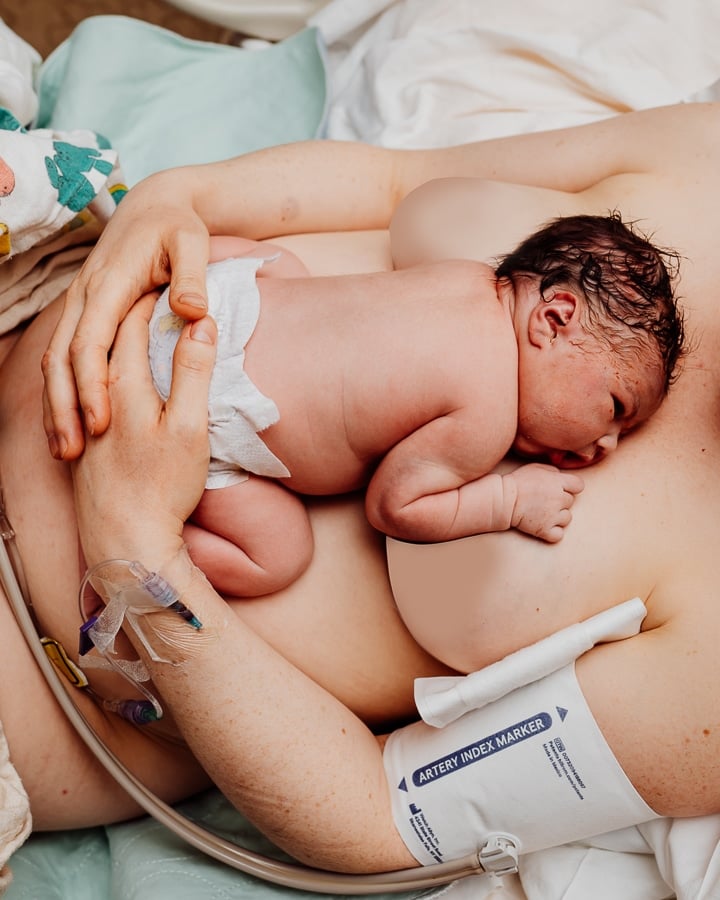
56, 192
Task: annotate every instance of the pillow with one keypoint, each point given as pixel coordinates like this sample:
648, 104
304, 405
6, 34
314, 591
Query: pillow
163, 100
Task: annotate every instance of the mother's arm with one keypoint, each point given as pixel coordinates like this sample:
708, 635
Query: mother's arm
282, 749
652, 698
160, 231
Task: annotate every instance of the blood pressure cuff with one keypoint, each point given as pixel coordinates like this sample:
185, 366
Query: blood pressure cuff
532, 766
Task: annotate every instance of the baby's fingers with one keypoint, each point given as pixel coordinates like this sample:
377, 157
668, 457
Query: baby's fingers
573, 484
556, 531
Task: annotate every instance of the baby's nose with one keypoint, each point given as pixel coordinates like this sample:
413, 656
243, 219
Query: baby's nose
609, 441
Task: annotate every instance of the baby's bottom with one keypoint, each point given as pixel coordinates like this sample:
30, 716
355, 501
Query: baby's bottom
250, 538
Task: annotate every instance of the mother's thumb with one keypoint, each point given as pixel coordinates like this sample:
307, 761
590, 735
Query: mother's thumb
192, 368
204, 331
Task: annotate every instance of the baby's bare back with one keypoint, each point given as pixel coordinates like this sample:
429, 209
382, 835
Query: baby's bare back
356, 364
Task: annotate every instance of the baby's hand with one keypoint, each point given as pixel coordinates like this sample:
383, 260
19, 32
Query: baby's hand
544, 497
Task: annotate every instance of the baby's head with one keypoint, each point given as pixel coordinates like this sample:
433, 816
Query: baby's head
604, 335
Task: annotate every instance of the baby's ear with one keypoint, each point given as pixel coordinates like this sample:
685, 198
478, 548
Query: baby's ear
551, 314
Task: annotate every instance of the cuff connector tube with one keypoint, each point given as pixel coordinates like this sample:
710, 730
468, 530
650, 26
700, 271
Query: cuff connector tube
130, 591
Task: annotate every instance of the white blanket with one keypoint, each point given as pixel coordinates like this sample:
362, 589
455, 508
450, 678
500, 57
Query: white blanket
421, 73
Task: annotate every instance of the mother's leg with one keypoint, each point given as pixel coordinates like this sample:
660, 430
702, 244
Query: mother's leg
67, 786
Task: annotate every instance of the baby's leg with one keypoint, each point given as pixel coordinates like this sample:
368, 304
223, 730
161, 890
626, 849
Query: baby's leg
251, 538
287, 264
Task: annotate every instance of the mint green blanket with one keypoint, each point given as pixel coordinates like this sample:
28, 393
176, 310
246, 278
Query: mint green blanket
162, 100
142, 860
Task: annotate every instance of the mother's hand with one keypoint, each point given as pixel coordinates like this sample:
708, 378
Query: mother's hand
154, 237
136, 485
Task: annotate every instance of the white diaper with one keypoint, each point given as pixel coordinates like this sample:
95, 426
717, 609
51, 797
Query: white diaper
237, 409
15, 820
531, 766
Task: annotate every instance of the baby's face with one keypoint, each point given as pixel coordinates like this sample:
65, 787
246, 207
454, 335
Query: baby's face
573, 411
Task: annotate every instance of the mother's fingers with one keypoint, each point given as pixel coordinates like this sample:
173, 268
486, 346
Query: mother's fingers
188, 249
106, 290
185, 410
193, 362
96, 303
146, 243
75, 367
61, 414
129, 360
150, 467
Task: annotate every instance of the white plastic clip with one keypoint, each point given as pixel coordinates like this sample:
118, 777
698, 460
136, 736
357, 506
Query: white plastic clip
499, 855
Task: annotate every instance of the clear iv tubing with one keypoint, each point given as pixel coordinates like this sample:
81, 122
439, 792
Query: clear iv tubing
286, 874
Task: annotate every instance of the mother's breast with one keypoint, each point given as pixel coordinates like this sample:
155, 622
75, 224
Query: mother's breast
645, 525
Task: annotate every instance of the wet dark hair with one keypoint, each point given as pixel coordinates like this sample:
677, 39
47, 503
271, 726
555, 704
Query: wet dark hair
625, 280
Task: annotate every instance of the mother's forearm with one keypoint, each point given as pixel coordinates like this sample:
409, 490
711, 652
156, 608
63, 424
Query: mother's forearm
293, 759
314, 186
288, 754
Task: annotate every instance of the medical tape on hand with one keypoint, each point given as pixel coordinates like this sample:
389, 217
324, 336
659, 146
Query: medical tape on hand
131, 593
533, 766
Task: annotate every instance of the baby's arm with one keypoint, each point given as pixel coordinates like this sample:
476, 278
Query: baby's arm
424, 490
